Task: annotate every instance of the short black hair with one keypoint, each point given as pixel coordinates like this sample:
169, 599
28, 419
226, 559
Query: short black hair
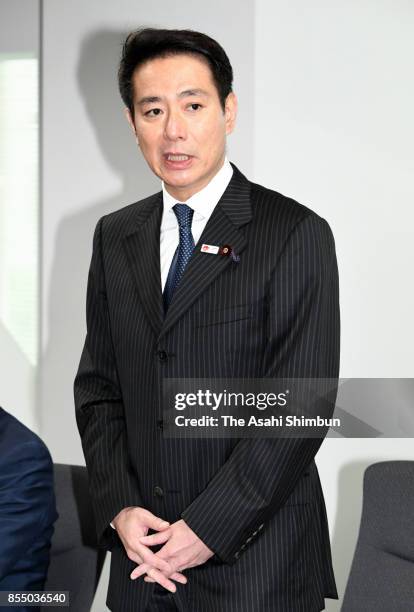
146, 44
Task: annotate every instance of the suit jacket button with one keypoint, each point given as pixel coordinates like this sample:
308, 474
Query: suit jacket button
236, 555
158, 492
162, 356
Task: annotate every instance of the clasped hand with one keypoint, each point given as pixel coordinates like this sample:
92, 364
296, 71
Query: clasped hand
182, 547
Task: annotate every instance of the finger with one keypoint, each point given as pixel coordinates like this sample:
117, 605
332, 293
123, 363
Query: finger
134, 556
175, 576
140, 571
144, 569
148, 579
153, 560
162, 580
156, 538
155, 522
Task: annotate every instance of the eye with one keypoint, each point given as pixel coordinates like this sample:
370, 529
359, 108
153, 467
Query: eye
156, 112
191, 106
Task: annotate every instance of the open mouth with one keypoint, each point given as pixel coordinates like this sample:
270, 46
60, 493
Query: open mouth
177, 157
178, 160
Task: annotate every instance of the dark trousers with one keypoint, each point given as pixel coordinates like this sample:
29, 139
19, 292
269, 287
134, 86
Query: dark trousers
162, 600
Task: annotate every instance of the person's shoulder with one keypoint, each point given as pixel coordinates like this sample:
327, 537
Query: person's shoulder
125, 218
18, 440
285, 218
276, 206
12, 428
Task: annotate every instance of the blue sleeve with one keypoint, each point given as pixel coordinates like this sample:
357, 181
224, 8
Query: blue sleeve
27, 502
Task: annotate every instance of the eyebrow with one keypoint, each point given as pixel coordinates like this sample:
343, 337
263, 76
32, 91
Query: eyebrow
182, 94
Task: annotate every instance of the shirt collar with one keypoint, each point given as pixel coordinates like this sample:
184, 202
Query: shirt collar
204, 201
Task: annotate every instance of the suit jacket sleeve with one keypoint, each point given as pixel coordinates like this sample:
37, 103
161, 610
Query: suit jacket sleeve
100, 410
302, 341
27, 502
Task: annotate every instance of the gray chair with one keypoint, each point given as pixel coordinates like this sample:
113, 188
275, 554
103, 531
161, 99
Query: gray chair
76, 562
382, 571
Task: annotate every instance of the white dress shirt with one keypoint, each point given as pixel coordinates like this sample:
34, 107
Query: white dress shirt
203, 203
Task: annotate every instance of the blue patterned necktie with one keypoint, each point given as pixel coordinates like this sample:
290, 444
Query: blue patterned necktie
183, 253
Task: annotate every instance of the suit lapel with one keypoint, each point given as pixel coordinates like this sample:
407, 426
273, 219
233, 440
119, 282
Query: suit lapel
223, 228
142, 247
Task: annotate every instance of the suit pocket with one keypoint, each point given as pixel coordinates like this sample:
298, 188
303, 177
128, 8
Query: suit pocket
223, 315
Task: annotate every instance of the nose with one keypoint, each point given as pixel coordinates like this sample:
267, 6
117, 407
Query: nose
175, 128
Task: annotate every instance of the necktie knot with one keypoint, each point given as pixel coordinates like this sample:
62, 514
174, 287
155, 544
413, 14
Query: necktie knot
184, 215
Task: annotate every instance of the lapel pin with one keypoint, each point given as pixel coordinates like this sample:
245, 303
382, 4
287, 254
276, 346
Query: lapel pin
210, 248
227, 251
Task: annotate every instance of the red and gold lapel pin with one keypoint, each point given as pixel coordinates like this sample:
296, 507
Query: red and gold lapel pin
226, 251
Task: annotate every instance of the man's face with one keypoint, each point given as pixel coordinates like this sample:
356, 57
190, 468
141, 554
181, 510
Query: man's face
179, 123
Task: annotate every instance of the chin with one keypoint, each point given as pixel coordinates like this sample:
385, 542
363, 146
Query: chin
179, 180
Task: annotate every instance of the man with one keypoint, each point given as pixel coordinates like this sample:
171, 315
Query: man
239, 525
27, 508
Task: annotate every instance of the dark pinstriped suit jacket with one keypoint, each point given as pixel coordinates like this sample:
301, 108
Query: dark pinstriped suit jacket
258, 504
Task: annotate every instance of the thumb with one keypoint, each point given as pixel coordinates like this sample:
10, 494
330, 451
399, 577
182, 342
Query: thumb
155, 522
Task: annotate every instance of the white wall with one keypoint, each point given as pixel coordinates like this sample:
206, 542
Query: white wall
325, 100
19, 26
334, 129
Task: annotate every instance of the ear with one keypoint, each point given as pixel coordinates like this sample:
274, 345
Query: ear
230, 112
130, 120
